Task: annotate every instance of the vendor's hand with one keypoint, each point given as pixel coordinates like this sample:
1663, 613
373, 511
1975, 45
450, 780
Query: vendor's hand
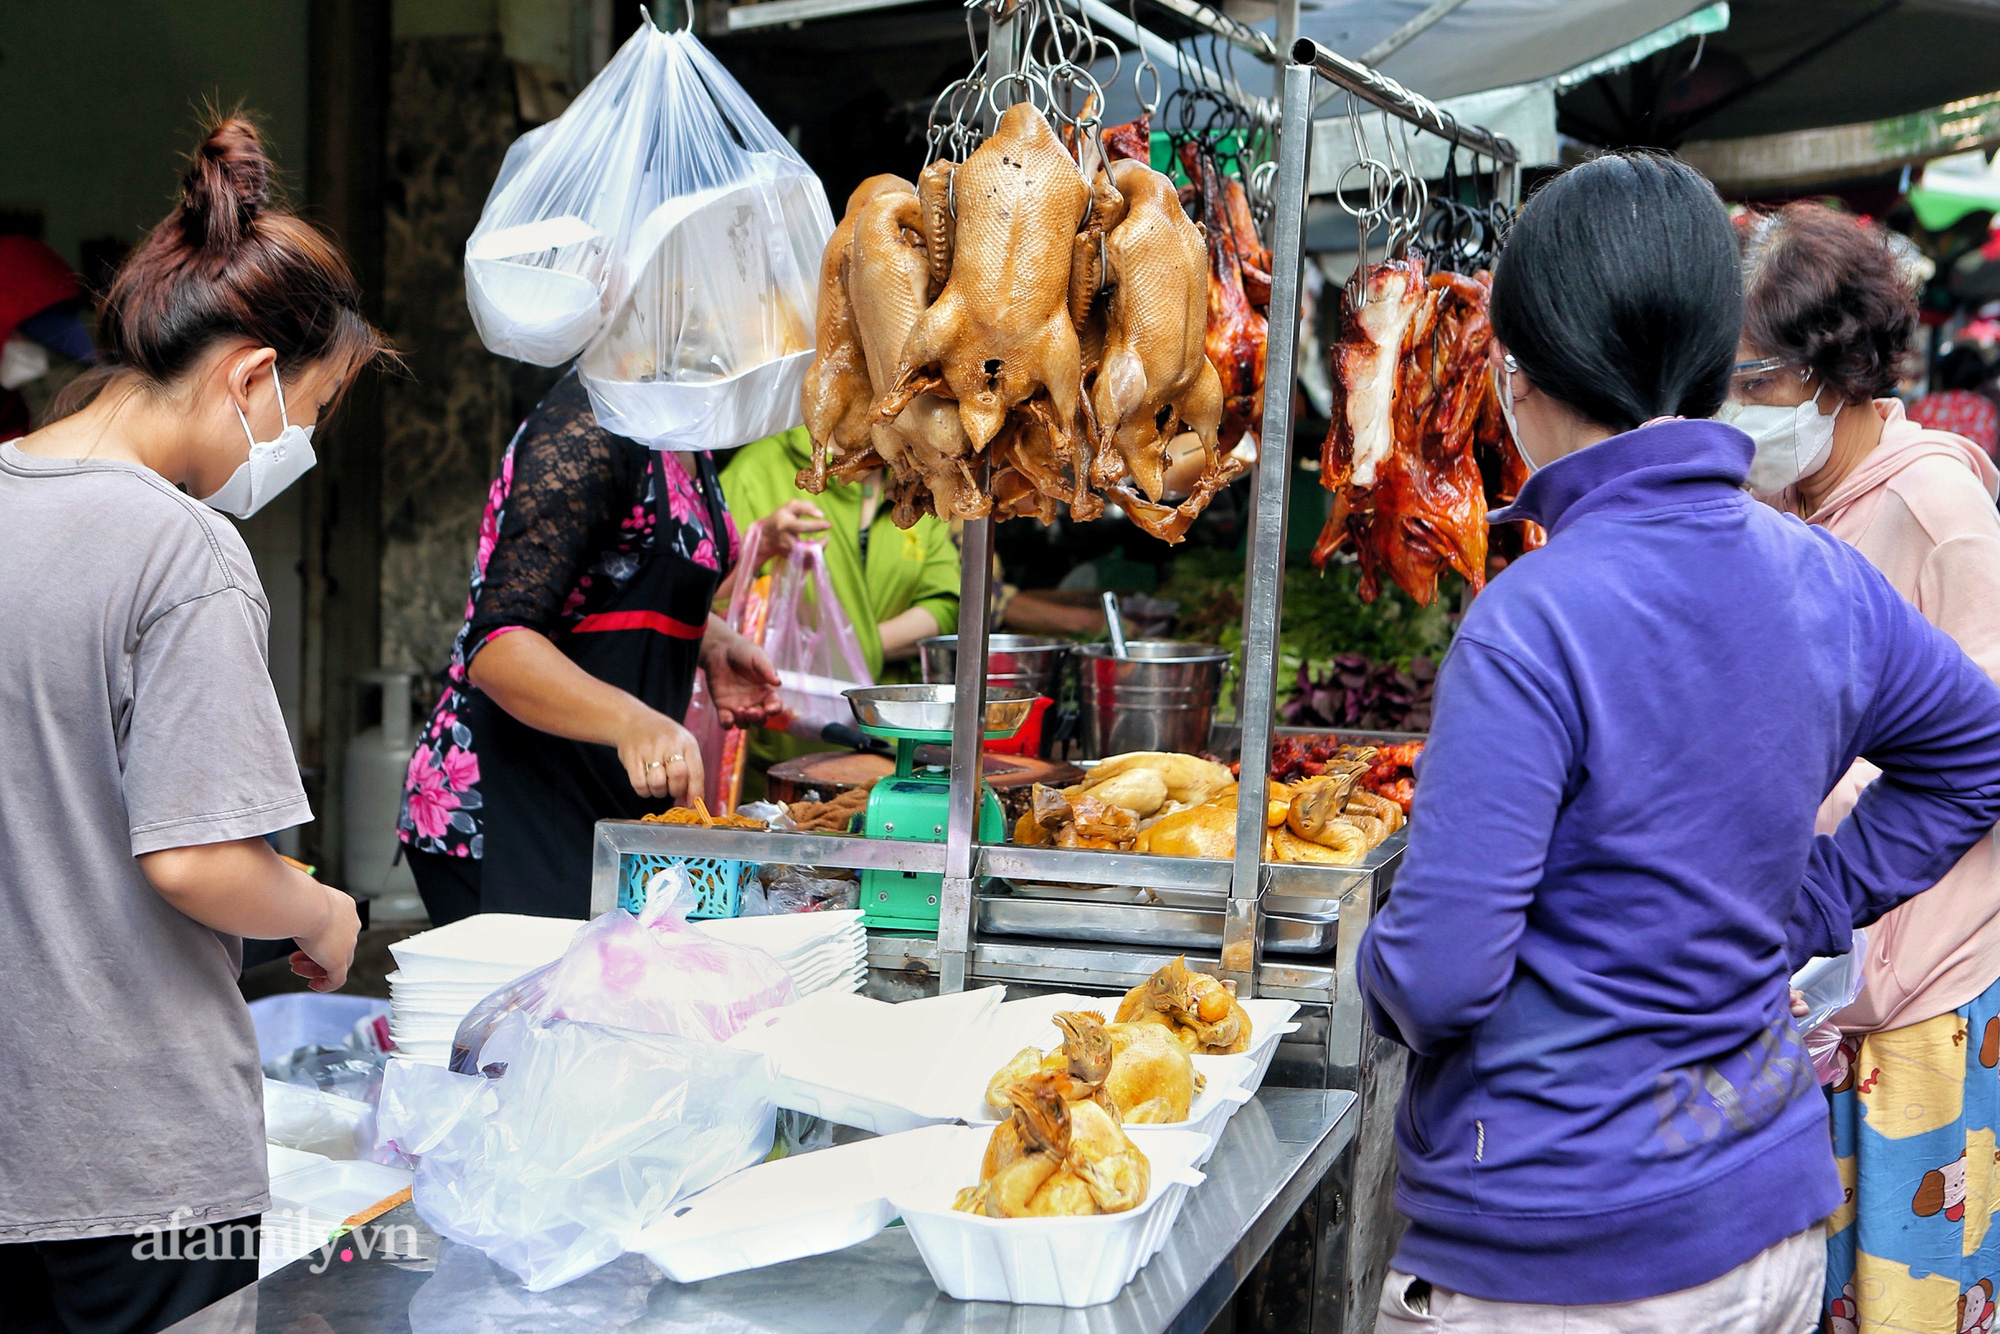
1799, 1006
660, 757
784, 526
742, 682
324, 957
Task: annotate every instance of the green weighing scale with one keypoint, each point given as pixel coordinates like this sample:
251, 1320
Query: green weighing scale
914, 803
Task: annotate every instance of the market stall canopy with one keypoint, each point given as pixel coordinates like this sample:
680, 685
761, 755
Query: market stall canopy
1784, 66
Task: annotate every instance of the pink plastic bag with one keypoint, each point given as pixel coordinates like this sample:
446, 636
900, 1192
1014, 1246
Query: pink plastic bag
653, 973
810, 639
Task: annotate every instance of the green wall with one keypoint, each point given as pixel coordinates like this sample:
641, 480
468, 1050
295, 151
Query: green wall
99, 99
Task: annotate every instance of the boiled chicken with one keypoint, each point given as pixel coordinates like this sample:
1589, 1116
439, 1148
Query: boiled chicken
1001, 328
889, 274
838, 392
1155, 378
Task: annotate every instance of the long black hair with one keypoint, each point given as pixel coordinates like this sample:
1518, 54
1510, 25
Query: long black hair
1620, 294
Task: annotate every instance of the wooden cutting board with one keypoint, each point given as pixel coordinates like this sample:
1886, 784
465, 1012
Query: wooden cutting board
832, 772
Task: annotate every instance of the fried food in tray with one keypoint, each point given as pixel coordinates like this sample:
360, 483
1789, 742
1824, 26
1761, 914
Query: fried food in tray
1137, 1072
1054, 1158
698, 814
1198, 1010
829, 817
1059, 329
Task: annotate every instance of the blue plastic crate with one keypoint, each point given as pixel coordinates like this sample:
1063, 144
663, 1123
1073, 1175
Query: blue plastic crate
717, 881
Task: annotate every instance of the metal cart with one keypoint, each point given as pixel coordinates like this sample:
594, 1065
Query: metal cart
1280, 930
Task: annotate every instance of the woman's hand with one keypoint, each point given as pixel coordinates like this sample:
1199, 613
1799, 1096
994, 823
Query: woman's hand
783, 527
742, 682
660, 756
324, 956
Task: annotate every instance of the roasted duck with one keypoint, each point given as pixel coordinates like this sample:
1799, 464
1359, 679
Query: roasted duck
1055, 1158
1132, 141
1413, 366
1236, 329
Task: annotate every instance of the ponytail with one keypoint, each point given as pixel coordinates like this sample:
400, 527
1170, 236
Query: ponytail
227, 262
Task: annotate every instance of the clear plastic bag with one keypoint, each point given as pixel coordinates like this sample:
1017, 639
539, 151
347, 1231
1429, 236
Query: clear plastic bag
709, 336
653, 973
724, 751
811, 641
662, 227
1828, 986
590, 1135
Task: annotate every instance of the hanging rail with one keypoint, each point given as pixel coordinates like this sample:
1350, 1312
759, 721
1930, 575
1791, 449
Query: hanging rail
1378, 89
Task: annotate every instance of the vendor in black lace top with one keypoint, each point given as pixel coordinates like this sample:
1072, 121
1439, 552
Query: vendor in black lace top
588, 614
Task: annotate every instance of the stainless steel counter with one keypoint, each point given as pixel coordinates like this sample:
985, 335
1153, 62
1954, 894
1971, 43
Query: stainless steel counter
402, 1277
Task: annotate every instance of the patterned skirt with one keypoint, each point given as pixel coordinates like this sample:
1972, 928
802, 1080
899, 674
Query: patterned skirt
1913, 1247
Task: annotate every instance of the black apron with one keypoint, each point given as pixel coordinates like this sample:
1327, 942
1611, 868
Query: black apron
544, 794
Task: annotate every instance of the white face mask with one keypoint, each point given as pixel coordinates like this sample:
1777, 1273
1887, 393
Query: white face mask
1507, 369
1791, 442
272, 466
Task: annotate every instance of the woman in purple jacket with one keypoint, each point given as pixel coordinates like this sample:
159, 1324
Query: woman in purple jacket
1610, 1121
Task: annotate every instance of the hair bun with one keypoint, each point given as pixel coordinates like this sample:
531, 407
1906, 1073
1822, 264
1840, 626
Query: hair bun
227, 185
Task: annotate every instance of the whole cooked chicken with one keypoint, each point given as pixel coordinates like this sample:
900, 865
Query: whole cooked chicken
1001, 328
1056, 1158
1147, 1077
1199, 1010
889, 276
838, 392
1155, 378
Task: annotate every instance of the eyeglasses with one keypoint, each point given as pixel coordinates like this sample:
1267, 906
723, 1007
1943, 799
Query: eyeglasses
1743, 368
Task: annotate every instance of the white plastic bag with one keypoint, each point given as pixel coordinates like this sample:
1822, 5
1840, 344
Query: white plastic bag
662, 227
1829, 985
542, 263
589, 1135
653, 973
711, 330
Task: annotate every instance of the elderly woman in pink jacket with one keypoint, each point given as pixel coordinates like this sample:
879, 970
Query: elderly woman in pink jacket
1828, 319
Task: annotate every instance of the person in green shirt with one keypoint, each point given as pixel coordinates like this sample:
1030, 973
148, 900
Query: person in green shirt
897, 585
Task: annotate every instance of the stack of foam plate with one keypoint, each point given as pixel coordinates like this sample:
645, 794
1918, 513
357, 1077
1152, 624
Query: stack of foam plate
440, 975
823, 951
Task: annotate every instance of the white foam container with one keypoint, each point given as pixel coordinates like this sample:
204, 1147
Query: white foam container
804, 1205
1031, 1023
1034, 1261
1226, 1090
338, 1190
865, 1063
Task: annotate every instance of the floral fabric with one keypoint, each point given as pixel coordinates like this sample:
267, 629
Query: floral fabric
569, 520
1962, 412
1913, 1247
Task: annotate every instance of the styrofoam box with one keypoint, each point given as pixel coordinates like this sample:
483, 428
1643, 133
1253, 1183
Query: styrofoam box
1031, 1023
804, 1205
338, 1190
1034, 1261
869, 1064
1225, 1090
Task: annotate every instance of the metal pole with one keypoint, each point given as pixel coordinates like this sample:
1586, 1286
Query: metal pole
1380, 90
968, 737
1406, 34
1242, 940
1288, 32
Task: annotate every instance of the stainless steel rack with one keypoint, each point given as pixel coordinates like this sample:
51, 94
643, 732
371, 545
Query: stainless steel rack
1350, 1236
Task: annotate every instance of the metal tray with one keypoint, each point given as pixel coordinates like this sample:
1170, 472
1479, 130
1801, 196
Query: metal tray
1009, 914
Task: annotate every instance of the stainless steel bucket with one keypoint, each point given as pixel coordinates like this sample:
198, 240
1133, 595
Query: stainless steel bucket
1162, 697
1029, 661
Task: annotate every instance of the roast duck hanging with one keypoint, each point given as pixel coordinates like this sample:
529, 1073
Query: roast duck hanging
1065, 332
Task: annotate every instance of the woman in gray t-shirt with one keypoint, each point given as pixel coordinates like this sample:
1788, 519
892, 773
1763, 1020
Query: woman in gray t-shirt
146, 760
